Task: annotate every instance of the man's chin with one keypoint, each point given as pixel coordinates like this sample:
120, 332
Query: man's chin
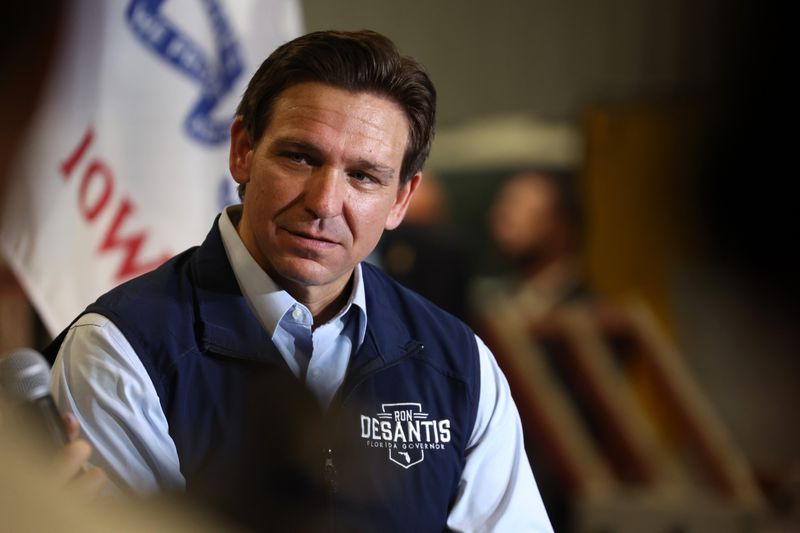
308, 273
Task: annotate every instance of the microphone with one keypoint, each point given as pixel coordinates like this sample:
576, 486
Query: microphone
25, 385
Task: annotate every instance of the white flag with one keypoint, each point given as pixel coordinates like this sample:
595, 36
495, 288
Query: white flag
126, 160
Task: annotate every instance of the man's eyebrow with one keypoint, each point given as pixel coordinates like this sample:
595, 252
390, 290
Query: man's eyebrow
296, 144
373, 166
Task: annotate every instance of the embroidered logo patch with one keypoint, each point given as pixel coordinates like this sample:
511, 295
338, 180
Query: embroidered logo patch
406, 431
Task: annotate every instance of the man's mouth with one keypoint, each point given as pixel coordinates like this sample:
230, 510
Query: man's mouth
315, 238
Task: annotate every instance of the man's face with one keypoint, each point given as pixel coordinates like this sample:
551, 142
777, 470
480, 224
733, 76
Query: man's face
322, 183
523, 218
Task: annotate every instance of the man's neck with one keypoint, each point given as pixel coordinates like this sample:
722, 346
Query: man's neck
553, 275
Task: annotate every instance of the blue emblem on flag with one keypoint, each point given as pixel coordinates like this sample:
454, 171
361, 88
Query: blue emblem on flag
215, 75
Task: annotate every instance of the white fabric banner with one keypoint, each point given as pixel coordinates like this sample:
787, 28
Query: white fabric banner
126, 162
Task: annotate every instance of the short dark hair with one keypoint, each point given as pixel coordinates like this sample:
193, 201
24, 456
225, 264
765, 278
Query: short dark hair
358, 61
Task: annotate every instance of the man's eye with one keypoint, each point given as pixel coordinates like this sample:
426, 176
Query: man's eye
295, 157
360, 176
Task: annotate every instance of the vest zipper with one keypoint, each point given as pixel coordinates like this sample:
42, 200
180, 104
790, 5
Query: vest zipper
329, 468
332, 485
331, 481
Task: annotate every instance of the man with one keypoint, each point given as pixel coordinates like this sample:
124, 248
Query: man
536, 222
327, 146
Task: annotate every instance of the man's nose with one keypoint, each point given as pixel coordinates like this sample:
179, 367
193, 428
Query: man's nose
324, 193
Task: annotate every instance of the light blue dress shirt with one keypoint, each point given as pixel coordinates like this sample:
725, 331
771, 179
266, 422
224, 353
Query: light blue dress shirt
99, 378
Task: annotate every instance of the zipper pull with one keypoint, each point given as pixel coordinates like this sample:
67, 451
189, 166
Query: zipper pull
330, 472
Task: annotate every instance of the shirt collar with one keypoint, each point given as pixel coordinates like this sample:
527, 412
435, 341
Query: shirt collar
267, 300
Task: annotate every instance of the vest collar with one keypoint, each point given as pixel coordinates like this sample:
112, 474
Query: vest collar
387, 331
227, 326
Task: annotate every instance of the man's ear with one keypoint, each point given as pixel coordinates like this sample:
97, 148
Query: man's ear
401, 202
241, 152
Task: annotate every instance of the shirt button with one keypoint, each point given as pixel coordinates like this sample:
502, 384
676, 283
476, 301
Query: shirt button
314, 372
297, 314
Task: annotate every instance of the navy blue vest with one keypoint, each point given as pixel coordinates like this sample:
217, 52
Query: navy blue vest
390, 450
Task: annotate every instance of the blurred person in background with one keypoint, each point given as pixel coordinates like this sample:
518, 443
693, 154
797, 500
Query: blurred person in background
426, 254
24, 59
66, 471
535, 221
41, 490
